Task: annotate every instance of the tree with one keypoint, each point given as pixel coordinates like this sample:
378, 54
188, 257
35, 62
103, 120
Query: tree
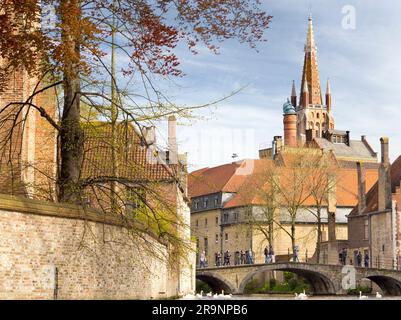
322, 183
71, 56
77, 46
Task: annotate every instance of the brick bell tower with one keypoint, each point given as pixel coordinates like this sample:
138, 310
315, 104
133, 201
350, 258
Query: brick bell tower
290, 124
27, 140
312, 114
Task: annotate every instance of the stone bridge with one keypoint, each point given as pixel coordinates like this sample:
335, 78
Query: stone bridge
323, 279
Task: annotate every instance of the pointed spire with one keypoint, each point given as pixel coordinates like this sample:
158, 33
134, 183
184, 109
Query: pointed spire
310, 45
293, 91
328, 87
310, 70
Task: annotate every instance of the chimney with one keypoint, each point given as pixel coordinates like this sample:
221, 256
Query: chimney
172, 140
149, 134
348, 138
279, 143
384, 183
293, 95
328, 96
361, 187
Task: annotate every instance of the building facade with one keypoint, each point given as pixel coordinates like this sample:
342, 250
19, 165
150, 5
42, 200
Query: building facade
218, 207
374, 224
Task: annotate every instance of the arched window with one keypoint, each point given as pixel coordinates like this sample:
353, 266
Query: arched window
317, 130
318, 115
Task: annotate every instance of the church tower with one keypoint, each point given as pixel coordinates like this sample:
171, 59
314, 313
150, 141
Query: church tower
313, 117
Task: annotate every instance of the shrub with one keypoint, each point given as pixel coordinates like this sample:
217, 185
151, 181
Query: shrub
272, 283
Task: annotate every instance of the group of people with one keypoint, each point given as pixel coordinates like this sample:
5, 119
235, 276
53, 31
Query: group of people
269, 255
358, 258
240, 257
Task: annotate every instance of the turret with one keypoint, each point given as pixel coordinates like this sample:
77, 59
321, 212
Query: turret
293, 95
290, 124
328, 96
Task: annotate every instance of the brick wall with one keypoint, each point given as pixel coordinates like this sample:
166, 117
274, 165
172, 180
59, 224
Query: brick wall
95, 259
28, 156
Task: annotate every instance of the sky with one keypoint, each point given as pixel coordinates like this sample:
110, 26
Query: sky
358, 49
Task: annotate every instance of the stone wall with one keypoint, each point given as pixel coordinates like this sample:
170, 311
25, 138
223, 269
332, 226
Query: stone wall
48, 250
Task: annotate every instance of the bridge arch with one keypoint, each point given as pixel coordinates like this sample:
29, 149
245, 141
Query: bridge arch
320, 282
389, 285
216, 282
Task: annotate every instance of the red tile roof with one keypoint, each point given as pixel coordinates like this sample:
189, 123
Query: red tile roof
225, 178
133, 156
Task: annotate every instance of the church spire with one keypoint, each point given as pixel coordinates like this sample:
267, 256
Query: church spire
310, 70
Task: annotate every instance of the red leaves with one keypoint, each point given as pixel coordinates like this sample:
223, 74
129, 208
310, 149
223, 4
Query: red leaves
148, 31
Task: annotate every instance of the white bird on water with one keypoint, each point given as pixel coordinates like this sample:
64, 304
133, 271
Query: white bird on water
200, 295
378, 295
361, 296
210, 294
302, 296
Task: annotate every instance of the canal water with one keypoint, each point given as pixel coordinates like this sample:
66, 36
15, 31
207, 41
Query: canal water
291, 297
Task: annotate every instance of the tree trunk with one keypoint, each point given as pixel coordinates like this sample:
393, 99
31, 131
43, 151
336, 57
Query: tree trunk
319, 235
271, 233
71, 135
293, 238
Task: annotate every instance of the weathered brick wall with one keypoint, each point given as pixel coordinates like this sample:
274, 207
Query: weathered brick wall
94, 260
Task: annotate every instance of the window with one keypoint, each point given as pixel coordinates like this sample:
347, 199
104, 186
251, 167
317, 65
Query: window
366, 229
196, 205
217, 221
135, 199
225, 217
197, 223
235, 216
236, 235
216, 201
205, 203
206, 242
226, 237
217, 237
205, 223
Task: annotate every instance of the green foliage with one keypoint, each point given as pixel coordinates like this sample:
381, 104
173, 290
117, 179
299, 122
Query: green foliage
202, 286
363, 289
292, 284
272, 283
251, 287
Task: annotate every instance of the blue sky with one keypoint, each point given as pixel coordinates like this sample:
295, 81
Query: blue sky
363, 64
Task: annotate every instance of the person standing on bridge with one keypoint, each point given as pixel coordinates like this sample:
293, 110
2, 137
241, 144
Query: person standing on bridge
359, 258
366, 259
203, 260
250, 254
242, 257
267, 256
344, 256
271, 254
